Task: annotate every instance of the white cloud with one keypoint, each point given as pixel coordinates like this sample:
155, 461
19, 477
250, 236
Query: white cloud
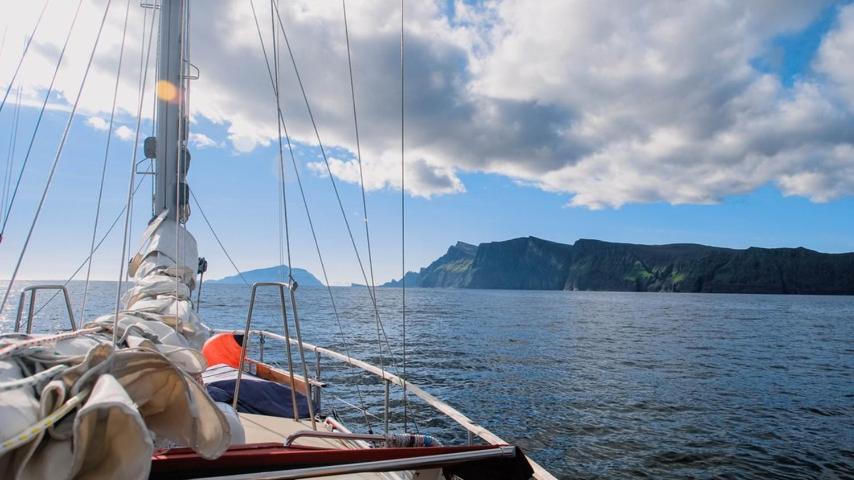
125, 133
422, 178
659, 104
200, 140
835, 57
98, 123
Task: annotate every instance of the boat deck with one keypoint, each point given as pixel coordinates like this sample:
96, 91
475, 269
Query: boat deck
263, 429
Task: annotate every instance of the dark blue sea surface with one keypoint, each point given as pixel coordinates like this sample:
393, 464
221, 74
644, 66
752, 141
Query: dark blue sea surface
590, 384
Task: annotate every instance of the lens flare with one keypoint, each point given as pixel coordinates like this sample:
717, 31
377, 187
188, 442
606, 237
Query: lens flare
167, 91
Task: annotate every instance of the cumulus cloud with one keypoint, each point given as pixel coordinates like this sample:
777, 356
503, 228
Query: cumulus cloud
125, 133
662, 105
200, 140
835, 57
98, 123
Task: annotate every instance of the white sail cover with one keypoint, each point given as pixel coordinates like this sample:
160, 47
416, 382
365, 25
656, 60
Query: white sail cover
164, 270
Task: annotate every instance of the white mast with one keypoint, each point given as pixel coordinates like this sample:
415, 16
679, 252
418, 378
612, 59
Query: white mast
171, 129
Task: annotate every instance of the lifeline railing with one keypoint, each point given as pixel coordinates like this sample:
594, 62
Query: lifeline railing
31, 311
388, 379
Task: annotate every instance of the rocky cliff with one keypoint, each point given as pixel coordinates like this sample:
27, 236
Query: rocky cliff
536, 264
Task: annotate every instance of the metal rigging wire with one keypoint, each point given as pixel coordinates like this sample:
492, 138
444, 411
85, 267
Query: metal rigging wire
86, 260
307, 211
23, 55
181, 150
216, 237
283, 206
143, 68
41, 112
335, 187
371, 284
104, 165
358, 147
125, 239
60, 148
10, 157
403, 220
155, 15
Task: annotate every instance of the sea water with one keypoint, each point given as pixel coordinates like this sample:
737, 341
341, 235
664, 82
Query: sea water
589, 384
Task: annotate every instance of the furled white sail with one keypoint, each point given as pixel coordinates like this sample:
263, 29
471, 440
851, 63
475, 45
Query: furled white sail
164, 271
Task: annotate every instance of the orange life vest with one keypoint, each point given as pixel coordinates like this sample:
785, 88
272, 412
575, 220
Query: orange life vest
222, 348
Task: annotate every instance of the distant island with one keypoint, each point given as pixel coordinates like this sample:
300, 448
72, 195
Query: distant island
535, 264
303, 277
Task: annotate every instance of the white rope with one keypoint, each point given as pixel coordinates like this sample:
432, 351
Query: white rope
32, 379
104, 165
23, 55
125, 240
9, 350
58, 150
33, 431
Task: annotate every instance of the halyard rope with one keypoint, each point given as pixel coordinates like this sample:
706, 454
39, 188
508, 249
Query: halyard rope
33, 342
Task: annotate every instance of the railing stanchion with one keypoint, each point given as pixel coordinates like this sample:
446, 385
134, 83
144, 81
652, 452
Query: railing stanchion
20, 315
261, 340
290, 355
292, 287
387, 397
68, 309
31, 313
317, 389
243, 347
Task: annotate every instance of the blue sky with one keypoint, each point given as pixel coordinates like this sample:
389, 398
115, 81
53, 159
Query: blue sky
560, 185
